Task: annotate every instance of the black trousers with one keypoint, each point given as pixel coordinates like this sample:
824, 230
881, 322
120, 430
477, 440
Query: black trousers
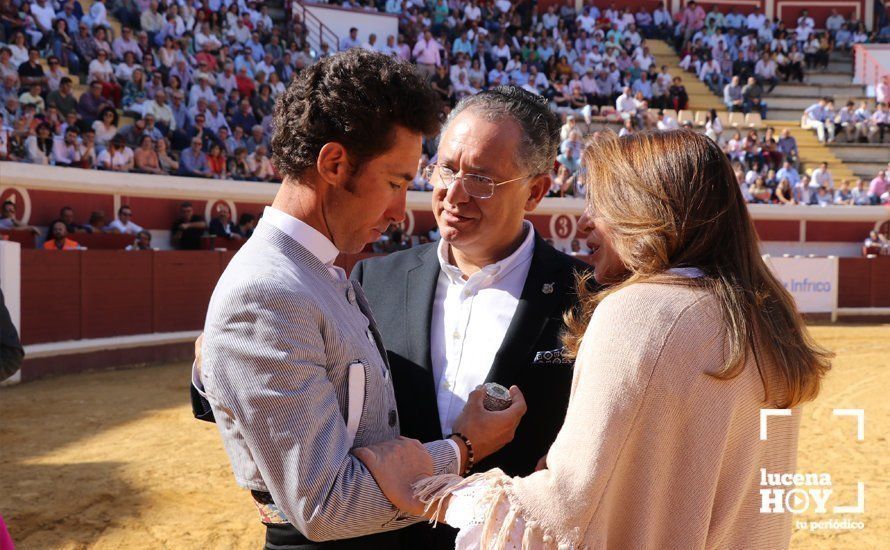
286, 537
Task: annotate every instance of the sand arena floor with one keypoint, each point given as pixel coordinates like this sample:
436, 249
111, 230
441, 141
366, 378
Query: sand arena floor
115, 460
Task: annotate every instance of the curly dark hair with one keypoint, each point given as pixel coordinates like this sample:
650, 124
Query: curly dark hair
355, 98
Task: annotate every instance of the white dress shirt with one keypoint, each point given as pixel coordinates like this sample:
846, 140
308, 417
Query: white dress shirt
308, 237
470, 319
128, 228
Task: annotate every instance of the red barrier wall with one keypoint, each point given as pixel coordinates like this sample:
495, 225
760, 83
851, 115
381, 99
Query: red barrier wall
116, 293
864, 282
104, 293
51, 293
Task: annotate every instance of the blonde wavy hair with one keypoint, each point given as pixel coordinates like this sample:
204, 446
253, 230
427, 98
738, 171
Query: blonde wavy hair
671, 200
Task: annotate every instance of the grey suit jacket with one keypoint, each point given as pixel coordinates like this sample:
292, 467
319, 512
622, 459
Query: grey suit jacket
284, 343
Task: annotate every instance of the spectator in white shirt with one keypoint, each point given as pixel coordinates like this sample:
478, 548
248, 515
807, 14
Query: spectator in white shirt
816, 116
43, 14
756, 20
765, 70
879, 124
201, 90
882, 90
472, 12
822, 177
65, 148
124, 222
625, 104
117, 157
834, 22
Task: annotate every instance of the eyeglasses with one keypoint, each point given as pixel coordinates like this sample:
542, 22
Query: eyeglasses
481, 187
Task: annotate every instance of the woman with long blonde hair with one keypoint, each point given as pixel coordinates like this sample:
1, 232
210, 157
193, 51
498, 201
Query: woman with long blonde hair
690, 338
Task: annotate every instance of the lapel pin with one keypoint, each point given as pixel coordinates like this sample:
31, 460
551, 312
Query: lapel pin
547, 288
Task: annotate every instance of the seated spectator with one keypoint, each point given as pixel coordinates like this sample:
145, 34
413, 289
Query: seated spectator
142, 242
238, 168
877, 188
875, 244
66, 214
193, 161
785, 192
105, 127
124, 222
860, 193
92, 104
62, 98
34, 96
66, 149
822, 177
679, 99
752, 94
816, 116
167, 163
145, 158
732, 96
822, 197
188, 229
117, 157
102, 71
765, 70
60, 240
844, 195
878, 124
9, 222
98, 223
260, 166
576, 249
246, 225
223, 226
216, 162
39, 147
760, 193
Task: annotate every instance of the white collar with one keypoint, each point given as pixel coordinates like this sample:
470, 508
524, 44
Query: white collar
308, 237
491, 271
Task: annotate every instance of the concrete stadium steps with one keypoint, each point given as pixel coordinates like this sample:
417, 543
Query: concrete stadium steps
864, 159
866, 170
816, 90
700, 97
830, 78
800, 103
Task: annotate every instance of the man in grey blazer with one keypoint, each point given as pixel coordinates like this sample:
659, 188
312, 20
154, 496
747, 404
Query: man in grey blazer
292, 363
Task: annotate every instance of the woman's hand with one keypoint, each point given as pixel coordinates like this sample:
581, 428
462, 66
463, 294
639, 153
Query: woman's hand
396, 465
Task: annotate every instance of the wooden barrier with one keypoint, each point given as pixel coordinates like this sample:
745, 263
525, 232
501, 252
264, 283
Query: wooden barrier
864, 282
183, 282
116, 293
105, 293
24, 238
51, 296
103, 241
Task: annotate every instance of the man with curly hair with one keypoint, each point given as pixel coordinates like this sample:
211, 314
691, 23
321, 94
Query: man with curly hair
293, 366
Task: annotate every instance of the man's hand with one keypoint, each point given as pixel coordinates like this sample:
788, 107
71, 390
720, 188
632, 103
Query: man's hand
198, 343
488, 431
396, 465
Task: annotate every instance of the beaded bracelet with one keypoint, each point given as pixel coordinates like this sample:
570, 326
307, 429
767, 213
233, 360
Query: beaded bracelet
470, 461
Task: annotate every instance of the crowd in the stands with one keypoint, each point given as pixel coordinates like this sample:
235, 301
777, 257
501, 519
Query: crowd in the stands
187, 87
